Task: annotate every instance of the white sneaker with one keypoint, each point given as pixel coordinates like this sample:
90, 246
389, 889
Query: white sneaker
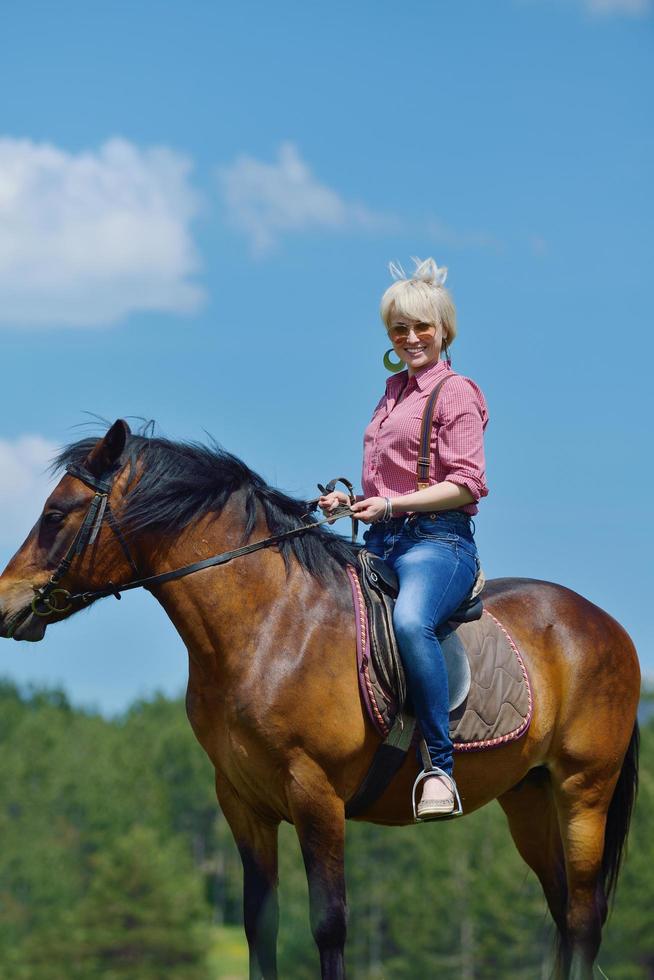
437, 798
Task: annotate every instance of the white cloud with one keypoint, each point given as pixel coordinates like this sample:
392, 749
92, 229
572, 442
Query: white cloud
87, 238
24, 486
629, 8
269, 200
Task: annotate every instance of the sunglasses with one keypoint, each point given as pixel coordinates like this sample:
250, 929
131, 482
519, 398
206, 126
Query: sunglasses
400, 332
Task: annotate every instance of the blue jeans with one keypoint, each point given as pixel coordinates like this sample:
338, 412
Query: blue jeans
435, 558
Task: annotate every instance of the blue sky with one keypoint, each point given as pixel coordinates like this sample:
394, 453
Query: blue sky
198, 203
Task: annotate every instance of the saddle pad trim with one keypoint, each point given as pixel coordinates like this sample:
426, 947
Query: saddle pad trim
363, 653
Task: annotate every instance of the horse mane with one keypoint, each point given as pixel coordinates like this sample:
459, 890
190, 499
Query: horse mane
181, 482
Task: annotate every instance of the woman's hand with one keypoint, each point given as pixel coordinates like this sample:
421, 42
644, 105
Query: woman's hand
330, 502
369, 510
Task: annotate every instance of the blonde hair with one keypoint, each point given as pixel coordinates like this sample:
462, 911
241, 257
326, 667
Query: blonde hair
421, 297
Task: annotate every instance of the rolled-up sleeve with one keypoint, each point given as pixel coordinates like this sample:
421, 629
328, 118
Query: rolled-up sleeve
460, 420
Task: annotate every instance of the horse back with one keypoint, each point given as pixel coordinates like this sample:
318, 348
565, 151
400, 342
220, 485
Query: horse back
583, 662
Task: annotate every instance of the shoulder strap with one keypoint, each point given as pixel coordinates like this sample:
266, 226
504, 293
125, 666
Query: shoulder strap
424, 451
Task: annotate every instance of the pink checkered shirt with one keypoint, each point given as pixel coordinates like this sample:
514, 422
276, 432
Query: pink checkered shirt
391, 440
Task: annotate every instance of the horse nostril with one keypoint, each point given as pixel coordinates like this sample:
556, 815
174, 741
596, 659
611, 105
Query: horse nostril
4, 618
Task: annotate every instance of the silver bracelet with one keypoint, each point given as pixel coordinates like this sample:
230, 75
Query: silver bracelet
388, 511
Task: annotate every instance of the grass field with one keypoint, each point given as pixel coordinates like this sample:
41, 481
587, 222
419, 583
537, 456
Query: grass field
229, 955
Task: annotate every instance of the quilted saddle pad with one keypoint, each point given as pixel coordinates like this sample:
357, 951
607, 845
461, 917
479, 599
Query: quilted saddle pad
490, 695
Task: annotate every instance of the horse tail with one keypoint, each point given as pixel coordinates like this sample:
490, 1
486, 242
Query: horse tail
619, 816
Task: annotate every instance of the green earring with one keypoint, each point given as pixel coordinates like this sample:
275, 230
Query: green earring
391, 365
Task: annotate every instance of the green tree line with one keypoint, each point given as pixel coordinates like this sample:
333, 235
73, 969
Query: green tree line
116, 863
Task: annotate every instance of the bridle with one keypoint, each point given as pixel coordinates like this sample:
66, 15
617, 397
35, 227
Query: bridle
51, 598
44, 602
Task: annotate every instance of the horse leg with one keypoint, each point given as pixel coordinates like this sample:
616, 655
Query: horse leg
260, 904
257, 844
319, 820
531, 812
582, 800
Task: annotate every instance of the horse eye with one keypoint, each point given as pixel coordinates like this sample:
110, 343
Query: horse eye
53, 517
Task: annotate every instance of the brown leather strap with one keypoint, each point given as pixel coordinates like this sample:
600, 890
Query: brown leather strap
424, 449
350, 492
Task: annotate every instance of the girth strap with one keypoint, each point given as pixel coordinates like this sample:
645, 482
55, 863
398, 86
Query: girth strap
386, 762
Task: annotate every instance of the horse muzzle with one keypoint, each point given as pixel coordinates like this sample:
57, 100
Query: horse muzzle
18, 619
25, 626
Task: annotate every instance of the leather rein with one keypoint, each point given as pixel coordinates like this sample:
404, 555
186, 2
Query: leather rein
44, 602
51, 598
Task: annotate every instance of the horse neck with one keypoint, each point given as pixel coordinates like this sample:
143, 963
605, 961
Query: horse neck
218, 612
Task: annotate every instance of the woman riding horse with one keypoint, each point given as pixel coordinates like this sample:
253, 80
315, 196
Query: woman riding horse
263, 603
425, 534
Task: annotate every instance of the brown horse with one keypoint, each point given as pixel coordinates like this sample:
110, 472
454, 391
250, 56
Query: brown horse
273, 695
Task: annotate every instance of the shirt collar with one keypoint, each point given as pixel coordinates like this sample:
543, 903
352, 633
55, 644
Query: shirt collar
424, 380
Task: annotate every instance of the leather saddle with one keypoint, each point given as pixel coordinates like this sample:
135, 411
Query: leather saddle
380, 587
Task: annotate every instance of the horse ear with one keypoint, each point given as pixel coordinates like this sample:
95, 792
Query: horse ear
108, 450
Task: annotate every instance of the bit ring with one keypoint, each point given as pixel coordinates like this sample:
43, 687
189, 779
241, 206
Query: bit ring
50, 606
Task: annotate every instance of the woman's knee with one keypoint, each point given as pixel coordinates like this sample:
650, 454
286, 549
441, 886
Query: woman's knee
410, 629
